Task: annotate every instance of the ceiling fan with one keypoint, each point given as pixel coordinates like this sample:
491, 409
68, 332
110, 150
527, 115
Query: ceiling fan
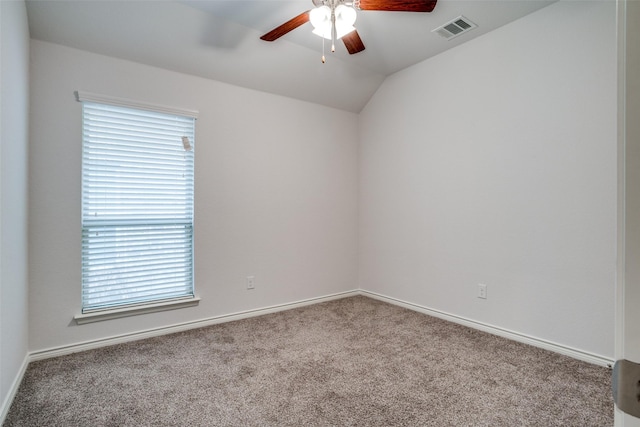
334, 19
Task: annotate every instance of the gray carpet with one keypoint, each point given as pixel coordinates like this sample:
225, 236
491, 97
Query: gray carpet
351, 362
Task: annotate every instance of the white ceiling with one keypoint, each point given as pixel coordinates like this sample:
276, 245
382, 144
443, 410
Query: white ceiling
219, 39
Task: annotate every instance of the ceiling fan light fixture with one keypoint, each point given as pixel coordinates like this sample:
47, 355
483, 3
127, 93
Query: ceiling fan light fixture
321, 19
345, 15
323, 32
345, 18
343, 30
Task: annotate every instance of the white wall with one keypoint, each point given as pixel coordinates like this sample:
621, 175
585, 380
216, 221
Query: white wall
14, 110
495, 163
275, 193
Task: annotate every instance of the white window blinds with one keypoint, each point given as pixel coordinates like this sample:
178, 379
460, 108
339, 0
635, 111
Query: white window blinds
137, 206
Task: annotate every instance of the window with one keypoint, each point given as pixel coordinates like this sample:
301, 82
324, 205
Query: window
137, 205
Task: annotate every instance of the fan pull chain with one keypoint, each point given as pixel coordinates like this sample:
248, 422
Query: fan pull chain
323, 59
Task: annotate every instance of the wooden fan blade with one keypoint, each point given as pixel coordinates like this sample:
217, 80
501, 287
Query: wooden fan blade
399, 5
353, 42
283, 29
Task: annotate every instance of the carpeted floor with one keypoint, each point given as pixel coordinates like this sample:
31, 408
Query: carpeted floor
351, 362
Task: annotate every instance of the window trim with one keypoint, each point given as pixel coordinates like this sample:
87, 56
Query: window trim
134, 310
82, 96
108, 313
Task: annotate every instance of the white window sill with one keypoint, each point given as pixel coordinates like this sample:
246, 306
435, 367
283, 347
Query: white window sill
115, 313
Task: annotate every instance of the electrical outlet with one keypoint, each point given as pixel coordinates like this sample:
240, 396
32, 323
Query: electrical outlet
251, 282
482, 291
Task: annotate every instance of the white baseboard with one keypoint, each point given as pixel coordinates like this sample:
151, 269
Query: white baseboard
13, 390
119, 339
515, 336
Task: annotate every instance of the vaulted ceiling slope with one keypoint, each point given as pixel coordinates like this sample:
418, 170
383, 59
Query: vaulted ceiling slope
219, 39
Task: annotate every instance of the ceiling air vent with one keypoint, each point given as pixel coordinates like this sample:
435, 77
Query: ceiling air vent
455, 27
